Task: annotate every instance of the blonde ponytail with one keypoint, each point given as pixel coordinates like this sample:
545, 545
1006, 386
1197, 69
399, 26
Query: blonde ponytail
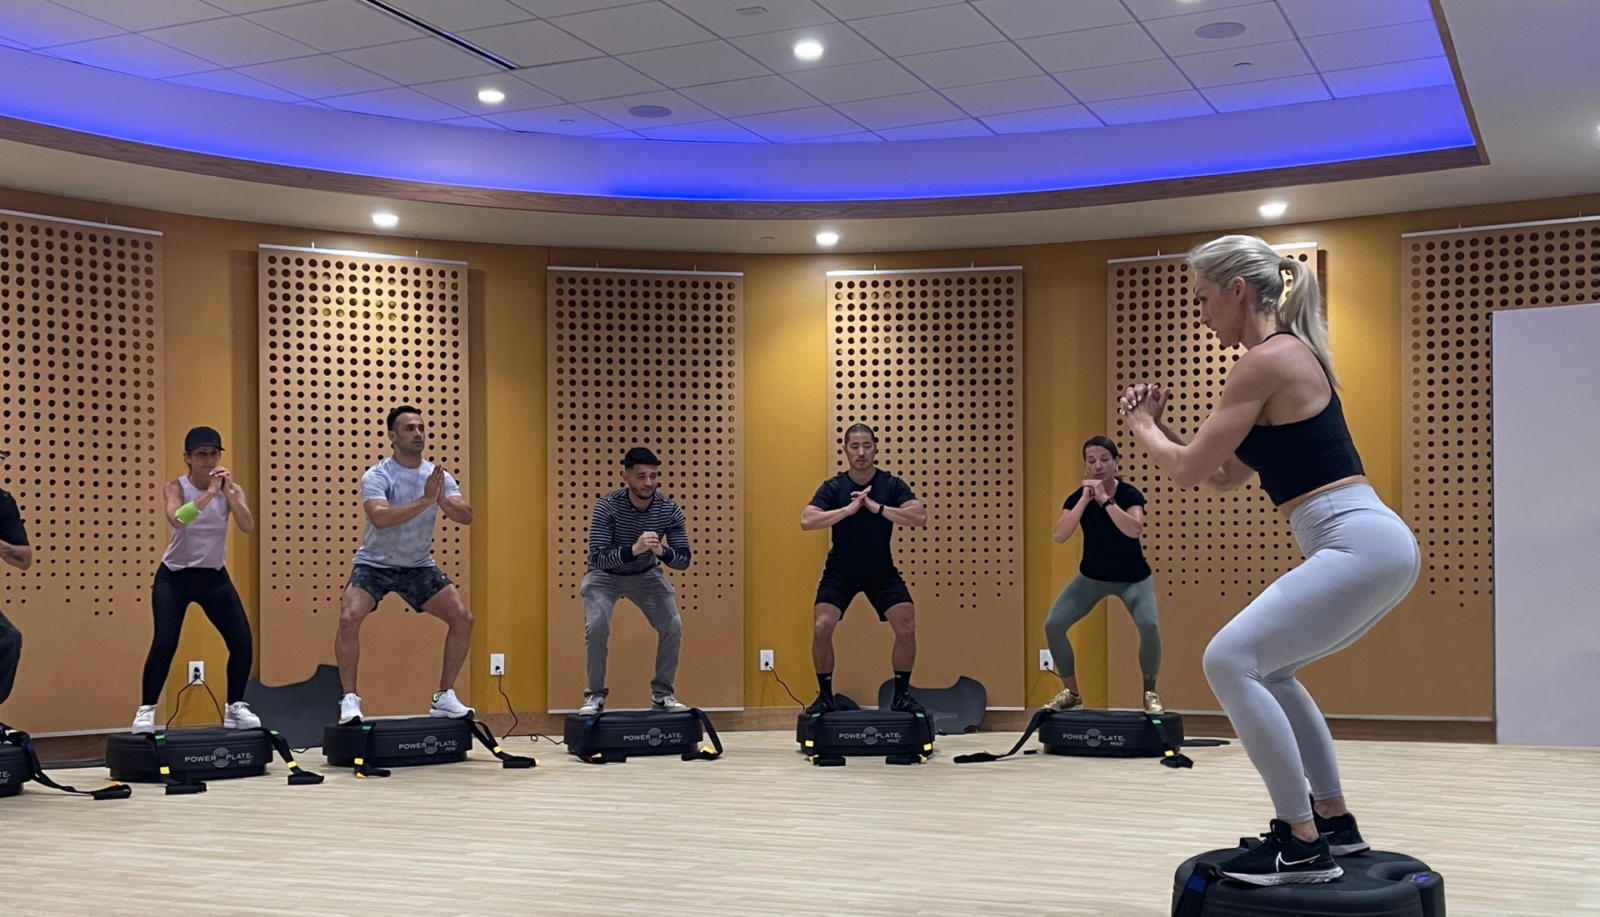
1285, 287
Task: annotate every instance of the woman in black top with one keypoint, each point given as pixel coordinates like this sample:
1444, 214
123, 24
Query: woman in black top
1280, 416
14, 550
1111, 513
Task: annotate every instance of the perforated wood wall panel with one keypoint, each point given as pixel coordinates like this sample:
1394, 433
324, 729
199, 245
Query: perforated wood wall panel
651, 359
81, 405
1211, 552
345, 336
1450, 283
932, 360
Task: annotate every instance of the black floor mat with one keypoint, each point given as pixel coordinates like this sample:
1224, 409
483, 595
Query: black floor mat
298, 711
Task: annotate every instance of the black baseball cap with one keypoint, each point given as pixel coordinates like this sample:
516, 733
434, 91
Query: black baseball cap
200, 437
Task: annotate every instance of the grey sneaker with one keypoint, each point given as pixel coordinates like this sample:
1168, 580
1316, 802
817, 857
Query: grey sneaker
666, 703
592, 704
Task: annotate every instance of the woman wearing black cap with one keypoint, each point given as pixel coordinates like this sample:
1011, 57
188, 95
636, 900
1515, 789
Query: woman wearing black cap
192, 571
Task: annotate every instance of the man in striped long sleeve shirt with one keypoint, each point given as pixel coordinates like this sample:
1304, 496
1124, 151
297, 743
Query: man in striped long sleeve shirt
634, 531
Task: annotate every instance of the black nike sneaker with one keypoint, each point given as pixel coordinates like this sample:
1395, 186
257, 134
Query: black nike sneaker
823, 704
1341, 833
1283, 859
905, 703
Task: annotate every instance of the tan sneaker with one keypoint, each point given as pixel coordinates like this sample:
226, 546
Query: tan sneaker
1152, 704
1068, 699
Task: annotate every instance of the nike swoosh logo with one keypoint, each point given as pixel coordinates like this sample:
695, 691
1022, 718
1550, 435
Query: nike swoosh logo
1283, 862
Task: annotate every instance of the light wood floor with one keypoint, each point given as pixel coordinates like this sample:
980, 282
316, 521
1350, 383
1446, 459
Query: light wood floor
1514, 831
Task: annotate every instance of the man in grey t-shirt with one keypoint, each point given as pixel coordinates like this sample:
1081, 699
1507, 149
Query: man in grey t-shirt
402, 496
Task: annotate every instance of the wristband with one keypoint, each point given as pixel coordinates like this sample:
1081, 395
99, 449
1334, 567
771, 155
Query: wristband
187, 513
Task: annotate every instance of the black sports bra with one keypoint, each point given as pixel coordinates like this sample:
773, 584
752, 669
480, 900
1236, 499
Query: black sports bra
1296, 458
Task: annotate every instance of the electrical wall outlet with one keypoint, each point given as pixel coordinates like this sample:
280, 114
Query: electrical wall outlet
497, 663
766, 660
197, 671
1046, 662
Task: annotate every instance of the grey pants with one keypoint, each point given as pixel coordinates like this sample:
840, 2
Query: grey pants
1079, 598
1360, 561
653, 593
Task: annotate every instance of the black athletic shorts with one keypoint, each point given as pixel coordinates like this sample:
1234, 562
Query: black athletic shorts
884, 591
414, 584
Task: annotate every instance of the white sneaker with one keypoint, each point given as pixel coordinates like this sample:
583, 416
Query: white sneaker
446, 705
144, 722
592, 704
1068, 699
349, 710
666, 703
240, 716
1152, 704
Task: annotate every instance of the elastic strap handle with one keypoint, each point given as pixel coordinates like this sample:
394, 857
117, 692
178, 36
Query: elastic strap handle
984, 756
703, 753
298, 776
507, 761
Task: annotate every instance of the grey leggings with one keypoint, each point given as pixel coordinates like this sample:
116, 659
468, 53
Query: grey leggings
1079, 598
1360, 561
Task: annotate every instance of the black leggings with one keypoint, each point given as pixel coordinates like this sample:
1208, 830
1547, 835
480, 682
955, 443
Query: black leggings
174, 590
10, 654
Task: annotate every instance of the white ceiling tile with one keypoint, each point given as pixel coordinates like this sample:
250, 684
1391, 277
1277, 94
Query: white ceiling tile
921, 31
1161, 9
1319, 17
750, 97
463, 93
558, 119
133, 54
424, 60
1246, 65
396, 103
901, 111
682, 110
550, 8
315, 77
691, 65
1062, 118
704, 132
965, 66
857, 9
143, 14
530, 43
1369, 47
39, 25
583, 80
461, 15
1152, 108
337, 25
1117, 44
800, 124
1031, 18
231, 42
1009, 95
1124, 81
634, 28
1263, 23
254, 6
472, 121
857, 137
1268, 93
840, 46
1415, 74
236, 83
966, 127
723, 16
866, 80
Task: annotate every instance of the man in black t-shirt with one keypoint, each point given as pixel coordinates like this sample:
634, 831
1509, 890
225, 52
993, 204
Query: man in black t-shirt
862, 506
15, 551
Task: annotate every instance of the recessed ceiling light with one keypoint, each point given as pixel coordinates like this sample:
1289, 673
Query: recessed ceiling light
1220, 30
1273, 209
491, 96
650, 111
808, 50
827, 239
385, 220
1243, 65
751, 10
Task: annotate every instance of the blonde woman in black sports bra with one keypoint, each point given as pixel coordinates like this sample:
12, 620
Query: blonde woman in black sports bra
1280, 417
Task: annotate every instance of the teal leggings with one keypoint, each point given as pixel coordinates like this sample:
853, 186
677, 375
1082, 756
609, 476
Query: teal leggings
1079, 598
